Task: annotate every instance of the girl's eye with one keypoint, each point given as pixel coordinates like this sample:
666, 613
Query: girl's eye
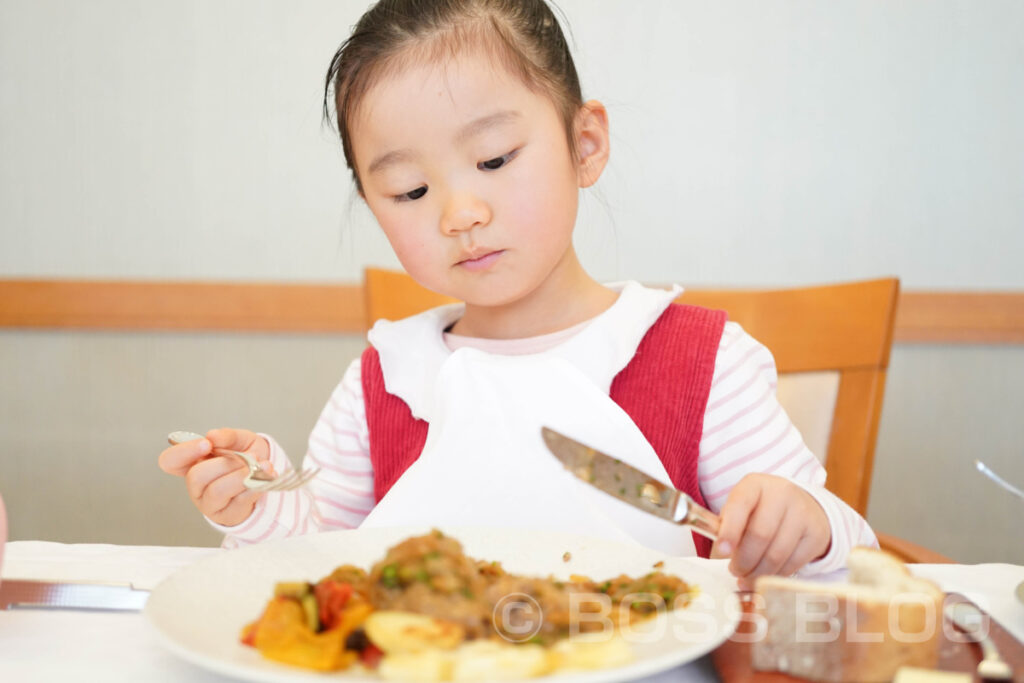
497, 162
413, 195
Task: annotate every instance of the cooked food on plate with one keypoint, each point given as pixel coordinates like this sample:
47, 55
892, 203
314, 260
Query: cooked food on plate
428, 611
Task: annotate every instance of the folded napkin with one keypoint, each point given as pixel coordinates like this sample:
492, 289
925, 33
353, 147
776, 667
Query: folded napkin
990, 586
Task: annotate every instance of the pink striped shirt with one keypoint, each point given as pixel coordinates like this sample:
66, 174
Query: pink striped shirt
745, 431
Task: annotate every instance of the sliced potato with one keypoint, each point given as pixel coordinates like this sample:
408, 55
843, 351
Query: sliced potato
585, 652
424, 665
488, 660
395, 632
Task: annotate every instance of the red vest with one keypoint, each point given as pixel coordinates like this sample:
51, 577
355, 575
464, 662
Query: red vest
664, 389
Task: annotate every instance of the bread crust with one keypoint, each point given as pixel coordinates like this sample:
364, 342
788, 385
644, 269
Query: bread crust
864, 630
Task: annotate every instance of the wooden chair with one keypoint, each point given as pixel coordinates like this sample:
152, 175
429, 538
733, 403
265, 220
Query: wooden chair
845, 329
393, 295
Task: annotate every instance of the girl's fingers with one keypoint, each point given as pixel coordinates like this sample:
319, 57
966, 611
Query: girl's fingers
177, 460
215, 483
238, 510
771, 526
779, 553
805, 551
758, 537
240, 440
734, 517
206, 472
225, 495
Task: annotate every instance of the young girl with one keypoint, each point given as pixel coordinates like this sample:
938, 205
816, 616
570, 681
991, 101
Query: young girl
466, 133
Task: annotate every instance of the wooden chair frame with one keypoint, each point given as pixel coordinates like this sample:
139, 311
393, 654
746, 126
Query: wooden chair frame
845, 328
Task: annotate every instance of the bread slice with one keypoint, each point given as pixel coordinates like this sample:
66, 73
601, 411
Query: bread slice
863, 631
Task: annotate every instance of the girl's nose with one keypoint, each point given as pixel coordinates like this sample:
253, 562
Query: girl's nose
464, 212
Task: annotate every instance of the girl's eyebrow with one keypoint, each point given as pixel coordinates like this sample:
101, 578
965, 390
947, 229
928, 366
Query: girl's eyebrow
477, 126
393, 157
474, 127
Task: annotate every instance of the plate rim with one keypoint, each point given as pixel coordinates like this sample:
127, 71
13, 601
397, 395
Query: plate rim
385, 537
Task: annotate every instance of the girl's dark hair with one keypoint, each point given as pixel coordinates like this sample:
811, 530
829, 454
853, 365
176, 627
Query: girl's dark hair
523, 34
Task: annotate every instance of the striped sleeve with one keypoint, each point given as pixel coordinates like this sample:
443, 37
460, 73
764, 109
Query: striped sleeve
340, 496
746, 430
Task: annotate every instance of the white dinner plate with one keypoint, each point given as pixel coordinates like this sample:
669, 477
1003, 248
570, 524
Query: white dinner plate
200, 610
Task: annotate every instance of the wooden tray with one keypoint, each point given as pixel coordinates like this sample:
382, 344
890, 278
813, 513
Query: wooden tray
732, 658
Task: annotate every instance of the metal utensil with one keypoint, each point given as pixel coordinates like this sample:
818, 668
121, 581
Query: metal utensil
984, 469
969, 619
256, 479
987, 471
629, 484
18, 593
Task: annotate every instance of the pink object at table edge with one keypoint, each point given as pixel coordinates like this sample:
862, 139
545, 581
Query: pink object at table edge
3, 531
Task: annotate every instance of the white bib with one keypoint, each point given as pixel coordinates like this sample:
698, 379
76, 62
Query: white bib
485, 464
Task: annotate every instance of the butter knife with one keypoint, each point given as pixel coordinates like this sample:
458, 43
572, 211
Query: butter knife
22, 594
629, 484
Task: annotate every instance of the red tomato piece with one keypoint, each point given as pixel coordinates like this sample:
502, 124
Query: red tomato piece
370, 656
331, 596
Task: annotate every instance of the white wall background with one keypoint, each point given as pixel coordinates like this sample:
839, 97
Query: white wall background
754, 143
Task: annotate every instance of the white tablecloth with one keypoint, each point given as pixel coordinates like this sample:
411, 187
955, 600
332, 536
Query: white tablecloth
52, 645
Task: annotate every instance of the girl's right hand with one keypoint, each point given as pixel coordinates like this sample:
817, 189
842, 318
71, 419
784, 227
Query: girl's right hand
214, 482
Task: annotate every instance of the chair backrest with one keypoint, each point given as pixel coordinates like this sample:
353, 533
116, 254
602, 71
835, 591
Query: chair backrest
844, 329
393, 295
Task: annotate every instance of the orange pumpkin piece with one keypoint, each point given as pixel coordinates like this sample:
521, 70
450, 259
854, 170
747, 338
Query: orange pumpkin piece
282, 635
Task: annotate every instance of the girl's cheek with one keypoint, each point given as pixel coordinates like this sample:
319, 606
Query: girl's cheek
406, 247
415, 254
548, 206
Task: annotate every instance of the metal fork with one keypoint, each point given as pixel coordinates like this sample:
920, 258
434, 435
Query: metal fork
969, 619
257, 479
987, 471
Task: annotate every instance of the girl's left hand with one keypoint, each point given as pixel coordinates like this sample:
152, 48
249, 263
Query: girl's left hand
770, 526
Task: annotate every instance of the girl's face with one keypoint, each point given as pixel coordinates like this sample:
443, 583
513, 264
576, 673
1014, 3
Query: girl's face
469, 174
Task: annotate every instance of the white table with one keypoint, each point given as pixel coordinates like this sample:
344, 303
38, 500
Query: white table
52, 645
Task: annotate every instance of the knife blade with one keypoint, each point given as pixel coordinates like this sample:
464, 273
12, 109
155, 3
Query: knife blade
24, 594
629, 484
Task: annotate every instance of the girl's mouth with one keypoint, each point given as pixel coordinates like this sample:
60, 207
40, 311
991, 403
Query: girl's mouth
482, 263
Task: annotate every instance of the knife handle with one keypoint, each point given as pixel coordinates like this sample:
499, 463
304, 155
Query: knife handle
703, 521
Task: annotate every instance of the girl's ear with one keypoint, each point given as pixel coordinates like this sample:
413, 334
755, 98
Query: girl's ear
592, 142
